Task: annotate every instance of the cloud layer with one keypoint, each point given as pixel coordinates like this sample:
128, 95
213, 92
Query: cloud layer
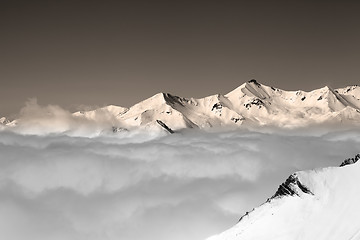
181, 186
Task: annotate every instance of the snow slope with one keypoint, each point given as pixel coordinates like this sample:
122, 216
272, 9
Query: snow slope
250, 105
320, 204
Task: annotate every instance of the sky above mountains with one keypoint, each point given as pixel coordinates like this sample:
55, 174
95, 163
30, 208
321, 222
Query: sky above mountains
93, 53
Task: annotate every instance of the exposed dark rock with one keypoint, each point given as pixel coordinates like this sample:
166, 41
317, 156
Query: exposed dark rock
255, 82
319, 98
217, 106
163, 125
242, 217
291, 187
256, 102
173, 99
303, 98
123, 112
235, 120
350, 160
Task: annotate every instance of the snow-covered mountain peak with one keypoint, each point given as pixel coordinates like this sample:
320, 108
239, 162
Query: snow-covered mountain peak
251, 88
251, 104
292, 186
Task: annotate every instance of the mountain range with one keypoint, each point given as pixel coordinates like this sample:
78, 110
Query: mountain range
250, 105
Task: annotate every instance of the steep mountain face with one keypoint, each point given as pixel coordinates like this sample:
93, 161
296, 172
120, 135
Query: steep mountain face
251, 104
319, 204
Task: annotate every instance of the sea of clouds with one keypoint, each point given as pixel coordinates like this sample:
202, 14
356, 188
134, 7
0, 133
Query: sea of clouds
135, 186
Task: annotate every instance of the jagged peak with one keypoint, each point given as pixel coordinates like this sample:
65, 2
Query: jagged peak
291, 186
322, 90
165, 98
154, 100
251, 87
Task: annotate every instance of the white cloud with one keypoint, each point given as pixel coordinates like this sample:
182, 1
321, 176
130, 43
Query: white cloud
181, 186
42, 120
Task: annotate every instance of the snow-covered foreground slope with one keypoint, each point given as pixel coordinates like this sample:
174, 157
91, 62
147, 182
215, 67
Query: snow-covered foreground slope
319, 204
250, 105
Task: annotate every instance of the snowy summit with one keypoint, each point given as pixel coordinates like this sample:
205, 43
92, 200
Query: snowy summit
250, 105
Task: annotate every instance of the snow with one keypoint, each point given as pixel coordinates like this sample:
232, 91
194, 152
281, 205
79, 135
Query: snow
330, 213
250, 105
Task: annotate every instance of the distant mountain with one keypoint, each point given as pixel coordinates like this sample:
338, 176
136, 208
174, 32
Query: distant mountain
250, 105
321, 204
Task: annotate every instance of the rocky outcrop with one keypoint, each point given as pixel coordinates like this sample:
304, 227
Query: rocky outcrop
163, 125
292, 186
350, 160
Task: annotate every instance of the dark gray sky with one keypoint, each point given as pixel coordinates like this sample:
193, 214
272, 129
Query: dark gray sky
74, 53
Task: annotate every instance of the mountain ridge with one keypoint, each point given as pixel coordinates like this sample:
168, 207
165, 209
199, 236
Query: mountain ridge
251, 104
